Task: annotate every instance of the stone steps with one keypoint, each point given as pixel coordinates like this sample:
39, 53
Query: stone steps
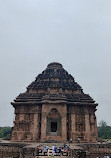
54, 156
46, 157
42, 156
29, 154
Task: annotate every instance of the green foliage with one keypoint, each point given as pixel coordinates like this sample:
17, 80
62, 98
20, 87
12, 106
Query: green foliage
5, 132
104, 131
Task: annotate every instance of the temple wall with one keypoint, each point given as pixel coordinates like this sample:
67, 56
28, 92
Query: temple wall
26, 122
29, 127
83, 123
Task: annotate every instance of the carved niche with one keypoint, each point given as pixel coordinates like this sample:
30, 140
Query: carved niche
54, 123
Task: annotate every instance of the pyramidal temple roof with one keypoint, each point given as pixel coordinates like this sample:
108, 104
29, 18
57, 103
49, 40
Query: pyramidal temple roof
54, 76
54, 83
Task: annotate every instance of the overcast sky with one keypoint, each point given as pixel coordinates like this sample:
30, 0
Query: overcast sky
76, 33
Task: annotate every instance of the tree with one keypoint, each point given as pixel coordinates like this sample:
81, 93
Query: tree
5, 132
102, 123
104, 131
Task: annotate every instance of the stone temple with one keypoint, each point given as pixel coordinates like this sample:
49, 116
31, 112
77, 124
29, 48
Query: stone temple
54, 108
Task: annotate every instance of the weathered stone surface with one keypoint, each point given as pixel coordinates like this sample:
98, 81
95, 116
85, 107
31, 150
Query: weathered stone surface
54, 99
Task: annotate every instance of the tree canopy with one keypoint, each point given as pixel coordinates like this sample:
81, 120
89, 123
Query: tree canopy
5, 132
104, 131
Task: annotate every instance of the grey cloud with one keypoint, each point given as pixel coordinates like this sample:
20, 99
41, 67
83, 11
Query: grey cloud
74, 33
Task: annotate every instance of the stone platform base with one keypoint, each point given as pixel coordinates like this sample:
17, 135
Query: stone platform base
28, 150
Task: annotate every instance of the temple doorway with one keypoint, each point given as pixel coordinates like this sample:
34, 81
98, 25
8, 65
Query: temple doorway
54, 123
53, 126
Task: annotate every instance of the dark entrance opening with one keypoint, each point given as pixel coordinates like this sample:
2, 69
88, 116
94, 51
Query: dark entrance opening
53, 126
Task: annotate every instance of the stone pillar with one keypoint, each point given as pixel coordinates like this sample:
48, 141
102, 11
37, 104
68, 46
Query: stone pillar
35, 127
64, 123
43, 123
64, 129
95, 128
73, 127
87, 127
92, 122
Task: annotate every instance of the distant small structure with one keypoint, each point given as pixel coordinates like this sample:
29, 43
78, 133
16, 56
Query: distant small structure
54, 109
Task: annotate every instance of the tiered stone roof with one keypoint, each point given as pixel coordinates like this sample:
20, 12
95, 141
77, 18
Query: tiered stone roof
54, 83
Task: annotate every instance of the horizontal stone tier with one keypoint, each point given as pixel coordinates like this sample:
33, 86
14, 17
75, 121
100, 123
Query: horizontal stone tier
57, 103
53, 84
55, 73
38, 97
